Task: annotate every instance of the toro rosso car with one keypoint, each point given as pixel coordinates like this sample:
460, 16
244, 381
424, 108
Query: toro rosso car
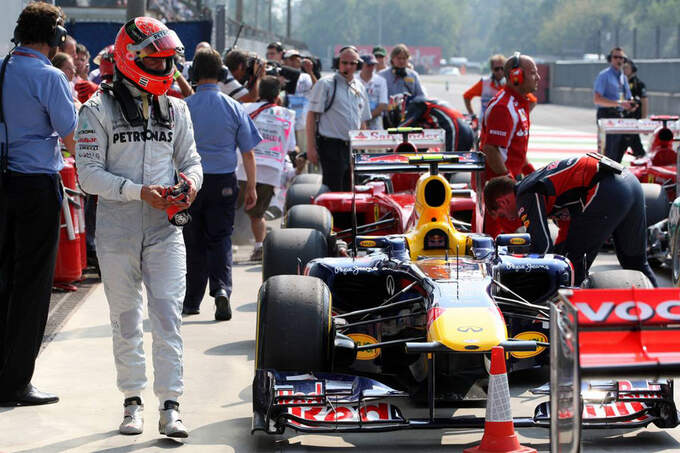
408, 316
383, 202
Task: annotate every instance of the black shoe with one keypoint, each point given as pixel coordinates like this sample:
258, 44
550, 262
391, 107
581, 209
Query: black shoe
30, 397
190, 311
222, 307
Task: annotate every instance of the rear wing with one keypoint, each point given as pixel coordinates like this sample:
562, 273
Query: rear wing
372, 140
607, 333
468, 161
612, 126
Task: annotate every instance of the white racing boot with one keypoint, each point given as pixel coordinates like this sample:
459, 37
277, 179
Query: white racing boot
133, 423
170, 424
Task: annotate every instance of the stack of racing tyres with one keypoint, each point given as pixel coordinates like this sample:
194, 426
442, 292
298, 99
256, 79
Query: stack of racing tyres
351, 336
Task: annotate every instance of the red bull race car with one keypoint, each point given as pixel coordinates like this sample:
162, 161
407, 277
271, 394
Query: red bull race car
344, 343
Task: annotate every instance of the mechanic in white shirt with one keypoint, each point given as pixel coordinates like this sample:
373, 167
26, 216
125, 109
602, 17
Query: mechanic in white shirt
376, 88
275, 124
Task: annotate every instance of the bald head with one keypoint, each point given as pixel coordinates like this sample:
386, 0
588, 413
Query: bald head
202, 45
529, 70
347, 63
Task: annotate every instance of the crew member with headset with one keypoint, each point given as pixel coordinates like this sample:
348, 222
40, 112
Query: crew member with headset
505, 130
339, 104
30, 193
487, 87
400, 78
591, 197
612, 97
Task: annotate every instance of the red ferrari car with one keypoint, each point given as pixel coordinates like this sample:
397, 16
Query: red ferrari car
384, 201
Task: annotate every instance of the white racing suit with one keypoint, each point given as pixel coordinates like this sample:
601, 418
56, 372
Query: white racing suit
135, 242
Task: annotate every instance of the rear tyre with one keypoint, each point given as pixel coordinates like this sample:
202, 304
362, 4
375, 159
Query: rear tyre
309, 178
675, 259
618, 279
303, 193
294, 328
656, 203
312, 216
283, 248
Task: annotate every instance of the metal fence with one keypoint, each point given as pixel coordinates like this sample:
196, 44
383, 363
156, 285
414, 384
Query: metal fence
642, 42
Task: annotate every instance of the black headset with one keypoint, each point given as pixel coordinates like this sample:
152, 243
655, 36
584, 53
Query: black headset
360, 62
57, 38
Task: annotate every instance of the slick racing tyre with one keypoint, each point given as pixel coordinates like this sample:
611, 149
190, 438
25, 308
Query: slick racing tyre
308, 178
303, 193
618, 279
294, 325
675, 259
312, 216
287, 251
656, 203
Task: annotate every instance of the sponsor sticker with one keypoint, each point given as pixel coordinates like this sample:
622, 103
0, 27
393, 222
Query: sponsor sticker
361, 339
367, 243
518, 241
530, 335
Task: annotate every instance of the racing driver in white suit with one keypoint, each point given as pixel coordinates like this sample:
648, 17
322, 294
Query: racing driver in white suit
133, 143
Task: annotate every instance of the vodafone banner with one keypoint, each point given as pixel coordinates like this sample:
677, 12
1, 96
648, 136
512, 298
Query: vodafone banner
420, 55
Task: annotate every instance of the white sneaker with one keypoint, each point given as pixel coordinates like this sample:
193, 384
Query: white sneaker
133, 423
170, 424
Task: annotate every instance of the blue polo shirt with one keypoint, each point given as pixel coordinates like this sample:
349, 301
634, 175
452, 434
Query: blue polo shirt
38, 110
220, 126
610, 83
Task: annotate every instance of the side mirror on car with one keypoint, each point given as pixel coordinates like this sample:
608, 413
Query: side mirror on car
513, 240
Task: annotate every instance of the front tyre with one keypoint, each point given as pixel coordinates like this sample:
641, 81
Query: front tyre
294, 324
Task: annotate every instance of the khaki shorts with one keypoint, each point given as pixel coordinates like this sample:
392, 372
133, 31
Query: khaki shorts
265, 192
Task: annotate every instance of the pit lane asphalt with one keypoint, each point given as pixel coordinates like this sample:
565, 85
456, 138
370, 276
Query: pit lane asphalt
78, 366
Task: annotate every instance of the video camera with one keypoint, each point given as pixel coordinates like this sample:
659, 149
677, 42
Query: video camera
290, 74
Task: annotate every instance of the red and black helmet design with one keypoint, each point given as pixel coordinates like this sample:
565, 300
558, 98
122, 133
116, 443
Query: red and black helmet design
105, 61
147, 37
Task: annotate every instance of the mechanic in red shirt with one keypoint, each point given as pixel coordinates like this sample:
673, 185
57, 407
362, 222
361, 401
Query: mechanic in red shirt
505, 130
591, 197
489, 85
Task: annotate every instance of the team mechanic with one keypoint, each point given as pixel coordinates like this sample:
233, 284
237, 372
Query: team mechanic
132, 139
591, 197
339, 104
505, 130
487, 87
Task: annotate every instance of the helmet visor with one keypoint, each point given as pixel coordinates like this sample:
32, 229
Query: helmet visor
163, 43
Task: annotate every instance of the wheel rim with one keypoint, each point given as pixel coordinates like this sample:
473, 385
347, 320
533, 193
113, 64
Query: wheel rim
676, 258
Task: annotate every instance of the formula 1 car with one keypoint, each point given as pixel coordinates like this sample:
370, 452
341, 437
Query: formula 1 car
383, 203
406, 316
461, 130
612, 334
657, 171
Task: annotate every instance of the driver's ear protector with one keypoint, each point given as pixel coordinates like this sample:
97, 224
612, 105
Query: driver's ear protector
516, 73
609, 57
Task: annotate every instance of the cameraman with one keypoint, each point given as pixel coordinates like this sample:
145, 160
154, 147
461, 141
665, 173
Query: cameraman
247, 69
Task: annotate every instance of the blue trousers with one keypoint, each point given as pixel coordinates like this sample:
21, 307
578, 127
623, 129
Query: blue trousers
208, 238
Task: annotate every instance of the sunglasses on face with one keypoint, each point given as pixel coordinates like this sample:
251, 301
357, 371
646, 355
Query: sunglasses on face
499, 68
618, 57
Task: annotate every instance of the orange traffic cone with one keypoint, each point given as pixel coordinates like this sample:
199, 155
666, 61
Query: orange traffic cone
499, 431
